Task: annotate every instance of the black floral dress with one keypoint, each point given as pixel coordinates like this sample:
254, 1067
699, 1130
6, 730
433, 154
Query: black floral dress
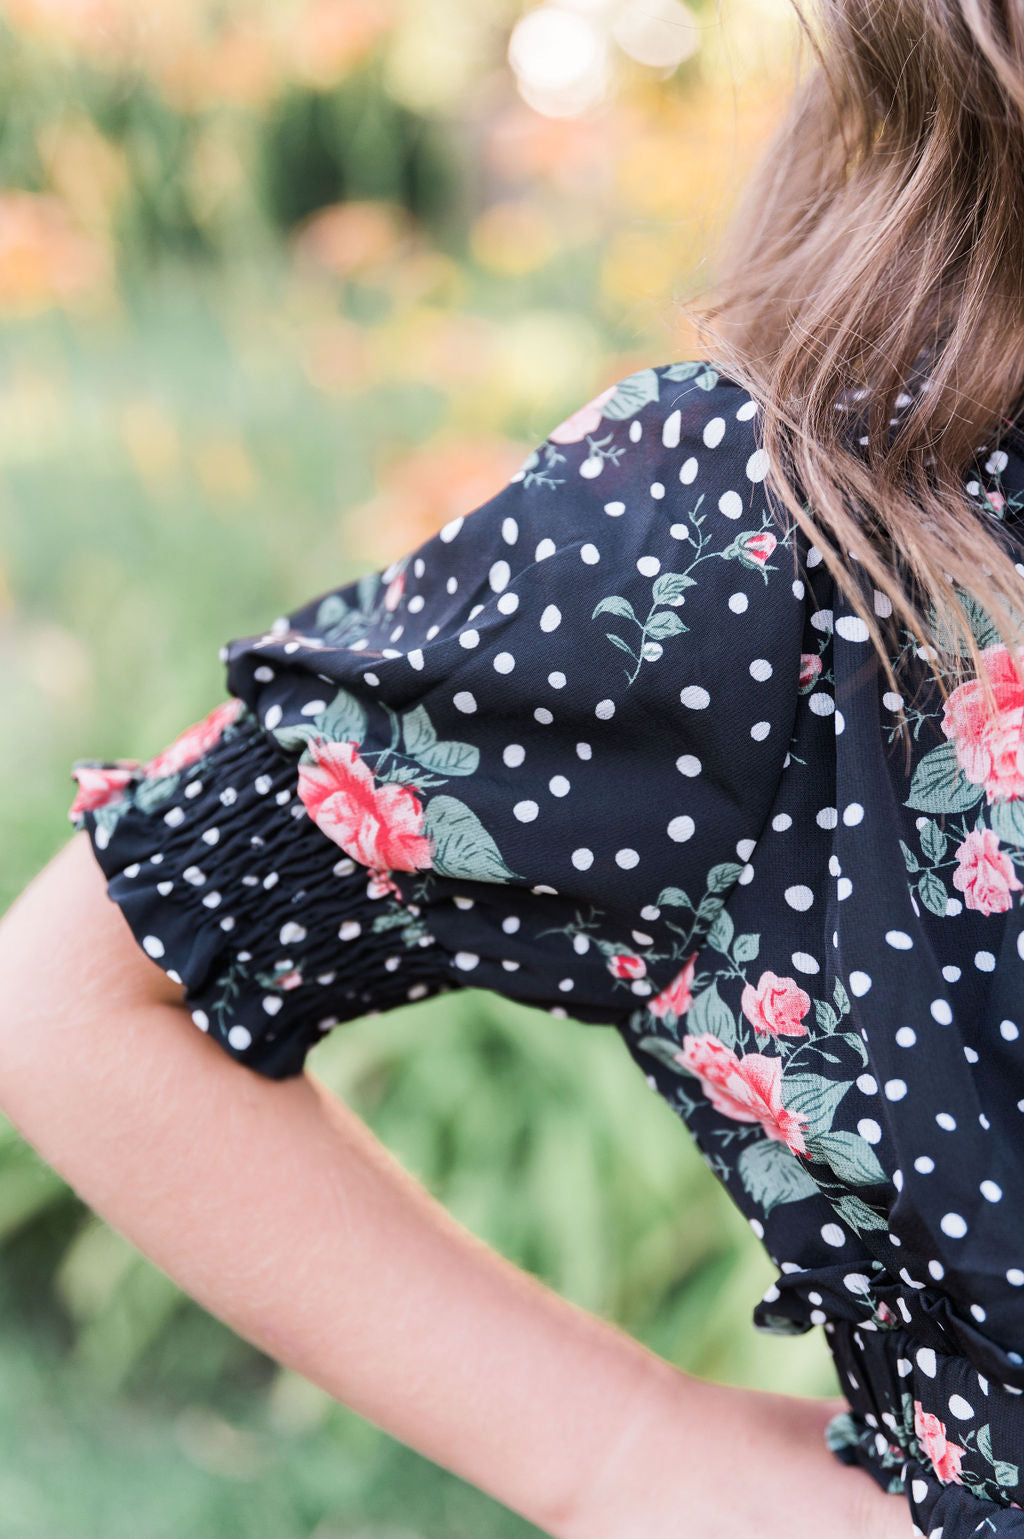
613, 745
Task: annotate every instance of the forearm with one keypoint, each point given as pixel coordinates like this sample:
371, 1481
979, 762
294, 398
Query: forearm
277, 1209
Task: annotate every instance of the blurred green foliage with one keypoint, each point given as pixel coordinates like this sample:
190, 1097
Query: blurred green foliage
281, 290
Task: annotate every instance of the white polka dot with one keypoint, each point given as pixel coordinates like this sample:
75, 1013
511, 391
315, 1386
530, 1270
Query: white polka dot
1015, 1276
1008, 1030
760, 730
525, 811
558, 785
738, 603
451, 528
507, 604
760, 669
906, 1036
615, 509
590, 554
804, 962
731, 504
657, 490
510, 924
853, 814
291, 933
239, 1037
604, 709
695, 697
513, 755
545, 548
895, 1089
469, 638
543, 715
504, 662
670, 429
509, 531
869, 1130
627, 859
925, 1359
582, 859
867, 1083
918, 1490
349, 929
466, 960
648, 566
757, 469
556, 679
821, 703
953, 1224
201, 1019
688, 471
745, 848
152, 946
551, 618
851, 628
499, 575
941, 1011
860, 982
991, 1191
799, 897
832, 1234
798, 588
272, 717
681, 828
415, 658
781, 821
272, 1003
464, 701
679, 531
951, 972
584, 751
984, 961
925, 1164
961, 1408
688, 764
826, 817
714, 431
899, 940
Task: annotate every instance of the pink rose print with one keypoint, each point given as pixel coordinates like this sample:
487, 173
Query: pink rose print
676, 996
985, 874
625, 965
748, 1089
583, 421
776, 1005
378, 825
97, 786
990, 745
810, 667
196, 740
945, 1456
393, 592
290, 980
757, 548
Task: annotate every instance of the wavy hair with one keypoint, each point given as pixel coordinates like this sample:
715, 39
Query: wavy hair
869, 293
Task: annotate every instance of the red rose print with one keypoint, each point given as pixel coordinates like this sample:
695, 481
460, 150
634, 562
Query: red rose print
748, 1089
378, 825
625, 965
990, 744
757, 548
945, 1456
394, 591
810, 667
776, 1005
583, 421
196, 740
98, 785
676, 997
985, 873
290, 980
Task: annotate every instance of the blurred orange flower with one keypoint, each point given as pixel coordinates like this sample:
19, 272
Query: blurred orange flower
346, 238
44, 258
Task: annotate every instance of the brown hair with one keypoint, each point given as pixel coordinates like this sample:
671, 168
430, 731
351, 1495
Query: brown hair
870, 284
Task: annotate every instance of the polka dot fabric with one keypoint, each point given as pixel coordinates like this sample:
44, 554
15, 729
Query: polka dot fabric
612, 744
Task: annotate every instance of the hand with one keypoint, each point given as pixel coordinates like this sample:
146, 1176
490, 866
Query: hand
727, 1462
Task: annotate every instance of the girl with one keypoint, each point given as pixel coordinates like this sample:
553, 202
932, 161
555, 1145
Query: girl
707, 727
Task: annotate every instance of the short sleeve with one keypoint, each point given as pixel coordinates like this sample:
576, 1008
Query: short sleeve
532, 755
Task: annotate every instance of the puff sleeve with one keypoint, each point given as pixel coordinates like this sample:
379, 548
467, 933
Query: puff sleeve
527, 756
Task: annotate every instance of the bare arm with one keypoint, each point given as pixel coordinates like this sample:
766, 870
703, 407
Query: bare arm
279, 1211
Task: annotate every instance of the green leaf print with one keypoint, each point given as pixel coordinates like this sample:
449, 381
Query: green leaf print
815, 1098
771, 1173
623, 646
664, 624
940, 785
344, 720
329, 611
295, 738
152, 793
450, 758
721, 932
746, 947
858, 1215
912, 862
614, 605
722, 877
462, 846
1007, 819
671, 585
982, 625
933, 840
841, 997
933, 893
631, 395
855, 1039
983, 1437
1004, 1473
826, 1017
664, 1050
851, 1157
418, 730
367, 589
673, 897
680, 371
710, 1013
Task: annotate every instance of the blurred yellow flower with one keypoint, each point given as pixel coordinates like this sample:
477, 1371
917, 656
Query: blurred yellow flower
44, 259
225, 470
327, 38
83, 167
513, 237
152, 440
